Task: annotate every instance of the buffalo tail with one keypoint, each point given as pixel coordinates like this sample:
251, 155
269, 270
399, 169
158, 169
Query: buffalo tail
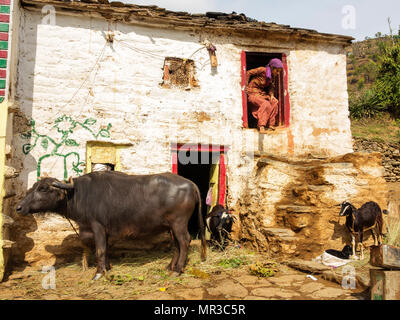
202, 226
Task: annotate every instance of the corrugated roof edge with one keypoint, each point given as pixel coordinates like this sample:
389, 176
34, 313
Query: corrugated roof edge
155, 15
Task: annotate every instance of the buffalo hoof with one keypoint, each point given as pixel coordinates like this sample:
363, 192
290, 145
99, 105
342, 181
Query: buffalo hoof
97, 276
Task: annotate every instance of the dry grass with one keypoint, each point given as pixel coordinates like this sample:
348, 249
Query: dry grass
155, 263
136, 275
382, 128
149, 270
393, 234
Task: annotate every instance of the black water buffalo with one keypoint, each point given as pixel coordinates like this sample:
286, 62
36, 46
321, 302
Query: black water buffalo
367, 217
112, 203
219, 222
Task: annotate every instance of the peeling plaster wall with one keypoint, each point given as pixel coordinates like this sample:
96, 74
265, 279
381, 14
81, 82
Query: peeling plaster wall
291, 207
121, 97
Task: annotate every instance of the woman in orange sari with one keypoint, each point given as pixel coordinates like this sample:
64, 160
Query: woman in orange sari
264, 106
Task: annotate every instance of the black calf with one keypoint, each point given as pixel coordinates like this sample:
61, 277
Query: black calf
344, 254
367, 217
219, 222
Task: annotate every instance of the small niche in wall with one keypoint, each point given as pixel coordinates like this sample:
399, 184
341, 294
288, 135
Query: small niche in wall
179, 73
103, 156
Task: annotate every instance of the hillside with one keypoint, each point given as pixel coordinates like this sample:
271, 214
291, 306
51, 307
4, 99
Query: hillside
362, 58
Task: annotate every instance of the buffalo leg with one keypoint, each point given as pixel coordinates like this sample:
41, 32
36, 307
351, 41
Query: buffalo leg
86, 237
108, 264
85, 257
182, 236
175, 257
100, 240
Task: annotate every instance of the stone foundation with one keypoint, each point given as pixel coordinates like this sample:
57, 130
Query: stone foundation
292, 207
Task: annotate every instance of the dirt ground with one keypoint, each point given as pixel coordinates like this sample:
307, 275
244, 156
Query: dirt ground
142, 276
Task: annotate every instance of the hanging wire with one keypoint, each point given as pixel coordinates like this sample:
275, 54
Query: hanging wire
87, 77
146, 52
76, 92
100, 56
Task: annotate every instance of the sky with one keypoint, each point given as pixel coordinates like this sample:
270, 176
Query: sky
356, 18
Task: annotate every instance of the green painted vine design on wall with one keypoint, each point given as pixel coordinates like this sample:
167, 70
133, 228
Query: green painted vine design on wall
54, 147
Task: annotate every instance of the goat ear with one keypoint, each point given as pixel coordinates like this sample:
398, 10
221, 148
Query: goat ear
65, 186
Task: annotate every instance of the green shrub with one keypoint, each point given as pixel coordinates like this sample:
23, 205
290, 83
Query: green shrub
365, 105
384, 93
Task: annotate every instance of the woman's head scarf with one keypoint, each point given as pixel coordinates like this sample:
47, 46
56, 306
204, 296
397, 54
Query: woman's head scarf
274, 63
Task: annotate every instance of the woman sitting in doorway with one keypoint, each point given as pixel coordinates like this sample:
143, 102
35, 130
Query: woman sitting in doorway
264, 106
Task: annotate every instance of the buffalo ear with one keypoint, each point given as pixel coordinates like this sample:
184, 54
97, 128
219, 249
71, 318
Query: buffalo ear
65, 186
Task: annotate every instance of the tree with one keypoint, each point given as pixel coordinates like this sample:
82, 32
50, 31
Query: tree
387, 84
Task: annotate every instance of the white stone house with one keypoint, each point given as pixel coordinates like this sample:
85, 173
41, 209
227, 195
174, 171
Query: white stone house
135, 87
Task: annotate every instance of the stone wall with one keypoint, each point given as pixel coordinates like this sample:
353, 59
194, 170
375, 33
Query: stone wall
292, 207
390, 156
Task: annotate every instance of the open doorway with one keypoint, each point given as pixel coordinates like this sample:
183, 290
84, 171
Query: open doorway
201, 165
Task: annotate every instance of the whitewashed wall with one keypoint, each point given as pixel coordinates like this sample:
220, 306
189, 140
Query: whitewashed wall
123, 89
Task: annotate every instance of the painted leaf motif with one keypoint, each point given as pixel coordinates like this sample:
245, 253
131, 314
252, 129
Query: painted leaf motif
104, 133
26, 135
26, 148
90, 121
45, 143
71, 143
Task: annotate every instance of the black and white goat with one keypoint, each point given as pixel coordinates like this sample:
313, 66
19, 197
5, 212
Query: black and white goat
219, 222
367, 217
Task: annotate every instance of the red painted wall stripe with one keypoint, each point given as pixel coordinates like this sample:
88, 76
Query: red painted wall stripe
3, 73
3, 54
4, 1
4, 18
286, 90
3, 36
222, 180
243, 87
2, 93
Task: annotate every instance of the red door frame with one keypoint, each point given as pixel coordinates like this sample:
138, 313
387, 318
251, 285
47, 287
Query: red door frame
286, 89
175, 148
243, 88
286, 110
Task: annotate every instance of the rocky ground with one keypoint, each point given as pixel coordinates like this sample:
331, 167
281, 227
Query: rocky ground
224, 276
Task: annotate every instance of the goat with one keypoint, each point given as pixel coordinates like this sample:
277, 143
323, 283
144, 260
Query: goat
367, 217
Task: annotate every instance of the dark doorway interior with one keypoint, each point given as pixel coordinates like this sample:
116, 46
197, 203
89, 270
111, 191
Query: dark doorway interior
261, 59
199, 173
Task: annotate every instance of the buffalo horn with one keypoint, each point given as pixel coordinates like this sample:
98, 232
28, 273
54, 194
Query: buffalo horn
66, 186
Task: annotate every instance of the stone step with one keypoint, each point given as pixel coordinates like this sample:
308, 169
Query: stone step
282, 233
9, 194
297, 209
7, 220
6, 244
10, 172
